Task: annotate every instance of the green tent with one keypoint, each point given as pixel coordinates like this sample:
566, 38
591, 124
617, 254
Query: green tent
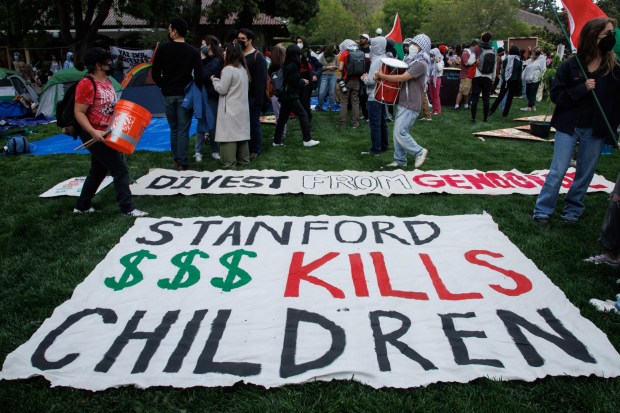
56, 85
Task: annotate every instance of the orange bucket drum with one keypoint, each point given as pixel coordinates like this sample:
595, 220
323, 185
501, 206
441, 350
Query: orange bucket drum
387, 91
127, 126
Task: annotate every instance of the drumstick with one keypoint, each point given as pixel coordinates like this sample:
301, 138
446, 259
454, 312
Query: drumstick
90, 142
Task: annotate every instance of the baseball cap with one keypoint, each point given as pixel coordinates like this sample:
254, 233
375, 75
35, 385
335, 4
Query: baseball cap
96, 55
365, 36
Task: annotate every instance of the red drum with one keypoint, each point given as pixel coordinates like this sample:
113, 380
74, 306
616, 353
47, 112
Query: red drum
387, 91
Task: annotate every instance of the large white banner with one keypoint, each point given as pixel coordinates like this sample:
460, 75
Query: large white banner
73, 187
131, 58
386, 301
386, 183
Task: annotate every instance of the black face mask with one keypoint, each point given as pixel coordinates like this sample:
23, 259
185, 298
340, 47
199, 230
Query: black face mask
607, 43
241, 43
109, 71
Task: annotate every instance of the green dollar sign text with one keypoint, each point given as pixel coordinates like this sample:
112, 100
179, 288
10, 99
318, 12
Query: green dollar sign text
184, 262
231, 282
132, 275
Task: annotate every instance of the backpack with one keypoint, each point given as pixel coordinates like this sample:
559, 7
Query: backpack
356, 63
486, 61
17, 145
277, 82
65, 117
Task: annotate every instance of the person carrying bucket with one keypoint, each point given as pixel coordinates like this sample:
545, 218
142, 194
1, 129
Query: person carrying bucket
94, 107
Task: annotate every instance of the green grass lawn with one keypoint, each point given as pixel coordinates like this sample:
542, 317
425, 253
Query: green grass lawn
46, 251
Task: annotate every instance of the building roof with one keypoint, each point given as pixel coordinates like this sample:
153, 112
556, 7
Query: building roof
114, 20
537, 20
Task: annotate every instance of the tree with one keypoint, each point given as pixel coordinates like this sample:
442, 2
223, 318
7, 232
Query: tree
298, 11
332, 23
20, 17
412, 13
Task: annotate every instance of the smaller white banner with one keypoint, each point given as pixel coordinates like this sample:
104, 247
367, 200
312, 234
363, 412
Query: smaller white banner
72, 187
131, 58
386, 183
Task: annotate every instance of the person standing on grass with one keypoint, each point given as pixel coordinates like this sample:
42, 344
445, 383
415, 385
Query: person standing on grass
257, 70
410, 102
278, 54
532, 74
94, 107
577, 119
511, 81
232, 129
468, 71
212, 64
377, 121
289, 98
175, 65
485, 75
434, 83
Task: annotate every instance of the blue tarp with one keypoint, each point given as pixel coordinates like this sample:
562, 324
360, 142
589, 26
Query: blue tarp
156, 138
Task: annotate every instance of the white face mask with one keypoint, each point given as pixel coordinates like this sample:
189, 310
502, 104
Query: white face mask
413, 50
300, 45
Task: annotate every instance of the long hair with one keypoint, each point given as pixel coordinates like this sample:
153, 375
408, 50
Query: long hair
214, 45
587, 49
234, 56
329, 51
277, 56
293, 55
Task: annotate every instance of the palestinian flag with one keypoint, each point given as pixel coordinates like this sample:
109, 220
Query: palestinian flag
579, 12
396, 35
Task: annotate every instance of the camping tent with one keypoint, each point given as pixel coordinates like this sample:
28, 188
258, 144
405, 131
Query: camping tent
56, 85
138, 87
12, 85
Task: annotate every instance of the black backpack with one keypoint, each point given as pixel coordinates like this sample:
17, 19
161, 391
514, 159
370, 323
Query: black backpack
277, 82
65, 117
486, 61
356, 63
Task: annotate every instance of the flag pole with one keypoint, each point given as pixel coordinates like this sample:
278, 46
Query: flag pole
583, 71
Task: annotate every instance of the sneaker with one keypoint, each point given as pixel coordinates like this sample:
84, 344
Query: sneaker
396, 165
277, 144
529, 109
419, 159
465, 106
541, 220
570, 221
427, 119
198, 157
456, 107
216, 156
603, 259
310, 143
137, 213
79, 211
605, 306
369, 153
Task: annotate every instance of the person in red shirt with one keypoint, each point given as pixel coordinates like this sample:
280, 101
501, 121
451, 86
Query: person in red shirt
94, 106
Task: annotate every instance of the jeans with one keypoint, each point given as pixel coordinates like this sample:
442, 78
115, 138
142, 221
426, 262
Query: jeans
200, 137
353, 87
480, 84
287, 107
587, 158
256, 129
377, 123
403, 141
179, 120
530, 92
103, 160
326, 89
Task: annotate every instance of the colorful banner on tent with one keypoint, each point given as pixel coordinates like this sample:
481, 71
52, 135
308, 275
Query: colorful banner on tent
72, 187
131, 58
385, 301
386, 183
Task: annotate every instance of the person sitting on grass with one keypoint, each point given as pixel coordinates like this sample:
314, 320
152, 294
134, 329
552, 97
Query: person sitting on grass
94, 106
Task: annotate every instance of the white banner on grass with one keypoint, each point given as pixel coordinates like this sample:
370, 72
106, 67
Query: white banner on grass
386, 183
72, 187
131, 58
386, 301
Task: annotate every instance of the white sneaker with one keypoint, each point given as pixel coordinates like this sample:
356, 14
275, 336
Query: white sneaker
198, 157
277, 144
88, 211
137, 213
310, 143
465, 106
419, 159
215, 155
396, 165
605, 306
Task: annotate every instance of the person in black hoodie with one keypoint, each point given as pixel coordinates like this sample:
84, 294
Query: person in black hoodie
289, 98
175, 65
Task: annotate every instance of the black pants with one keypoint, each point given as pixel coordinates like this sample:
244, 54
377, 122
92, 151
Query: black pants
480, 84
104, 159
364, 100
508, 89
305, 95
288, 106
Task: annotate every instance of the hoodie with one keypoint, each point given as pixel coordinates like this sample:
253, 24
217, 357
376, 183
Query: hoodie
377, 52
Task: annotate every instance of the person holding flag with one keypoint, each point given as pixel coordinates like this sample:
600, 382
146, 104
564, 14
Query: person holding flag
593, 73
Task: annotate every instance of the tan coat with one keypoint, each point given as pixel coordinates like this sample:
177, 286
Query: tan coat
233, 112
